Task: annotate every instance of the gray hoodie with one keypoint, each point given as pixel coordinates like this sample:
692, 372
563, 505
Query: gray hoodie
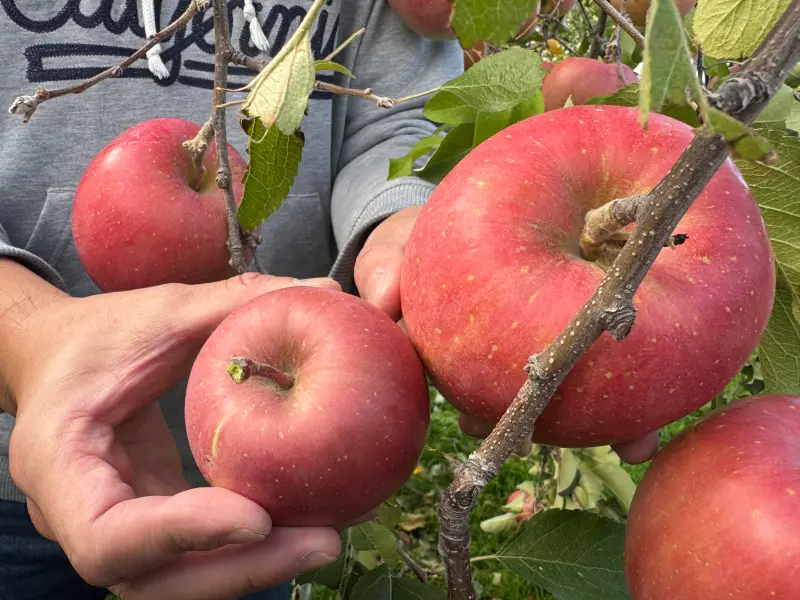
339, 194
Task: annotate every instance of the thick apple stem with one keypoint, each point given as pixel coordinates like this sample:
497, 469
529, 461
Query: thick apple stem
197, 147
605, 221
241, 369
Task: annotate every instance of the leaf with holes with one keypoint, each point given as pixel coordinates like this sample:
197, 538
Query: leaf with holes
274, 164
573, 554
492, 21
668, 74
734, 28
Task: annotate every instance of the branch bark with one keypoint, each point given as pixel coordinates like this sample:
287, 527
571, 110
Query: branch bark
222, 52
622, 21
27, 105
611, 306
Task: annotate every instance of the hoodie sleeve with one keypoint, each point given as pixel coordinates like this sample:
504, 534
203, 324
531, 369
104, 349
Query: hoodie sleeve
30, 261
394, 62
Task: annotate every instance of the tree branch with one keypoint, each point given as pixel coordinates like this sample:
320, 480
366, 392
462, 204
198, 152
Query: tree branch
222, 52
598, 36
611, 306
27, 105
622, 22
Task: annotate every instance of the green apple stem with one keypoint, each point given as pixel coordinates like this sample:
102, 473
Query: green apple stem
27, 105
611, 306
222, 51
620, 19
241, 369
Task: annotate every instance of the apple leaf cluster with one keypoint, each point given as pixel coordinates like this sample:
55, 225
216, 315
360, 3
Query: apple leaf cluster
500, 90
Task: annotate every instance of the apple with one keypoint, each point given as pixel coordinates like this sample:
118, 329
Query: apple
142, 216
333, 424
637, 9
582, 79
717, 514
493, 273
547, 7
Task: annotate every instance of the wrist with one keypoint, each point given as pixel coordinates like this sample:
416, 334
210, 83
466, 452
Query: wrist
26, 300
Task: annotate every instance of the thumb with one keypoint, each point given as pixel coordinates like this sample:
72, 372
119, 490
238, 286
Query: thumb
198, 309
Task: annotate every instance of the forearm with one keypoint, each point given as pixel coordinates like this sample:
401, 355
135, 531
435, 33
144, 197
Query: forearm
23, 295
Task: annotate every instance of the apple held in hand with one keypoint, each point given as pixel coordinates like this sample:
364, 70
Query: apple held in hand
581, 79
143, 216
493, 273
717, 514
332, 423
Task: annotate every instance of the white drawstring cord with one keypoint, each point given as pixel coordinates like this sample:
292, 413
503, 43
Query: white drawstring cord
256, 33
154, 62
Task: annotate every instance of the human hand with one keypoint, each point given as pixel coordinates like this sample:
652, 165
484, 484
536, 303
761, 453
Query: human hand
93, 454
632, 452
377, 268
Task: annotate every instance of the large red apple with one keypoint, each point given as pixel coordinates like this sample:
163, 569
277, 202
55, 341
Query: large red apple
493, 273
142, 218
339, 436
717, 514
637, 9
582, 79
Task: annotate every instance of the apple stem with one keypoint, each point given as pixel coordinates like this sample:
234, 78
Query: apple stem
241, 369
196, 147
604, 222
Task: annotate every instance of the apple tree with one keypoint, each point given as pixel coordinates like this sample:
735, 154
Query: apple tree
612, 242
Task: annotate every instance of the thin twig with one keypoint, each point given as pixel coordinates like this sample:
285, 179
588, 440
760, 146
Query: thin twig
611, 306
418, 570
622, 22
380, 101
599, 38
224, 178
27, 105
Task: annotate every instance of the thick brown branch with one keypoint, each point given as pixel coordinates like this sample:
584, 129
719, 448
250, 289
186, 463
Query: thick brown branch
611, 306
224, 181
27, 105
622, 21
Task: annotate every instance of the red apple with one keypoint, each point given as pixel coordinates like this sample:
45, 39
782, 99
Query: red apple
493, 273
637, 9
334, 441
547, 7
717, 514
140, 219
582, 79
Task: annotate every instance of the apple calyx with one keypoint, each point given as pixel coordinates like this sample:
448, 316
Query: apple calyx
241, 369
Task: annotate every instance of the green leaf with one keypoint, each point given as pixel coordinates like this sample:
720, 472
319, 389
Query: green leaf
402, 167
448, 108
274, 164
329, 65
779, 108
499, 81
279, 94
746, 142
390, 514
455, 146
793, 122
380, 584
500, 523
329, 576
573, 554
492, 21
568, 474
371, 535
734, 28
668, 75
605, 463
780, 345
774, 187
531, 106
489, 123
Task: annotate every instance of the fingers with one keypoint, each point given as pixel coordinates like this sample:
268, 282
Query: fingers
377, 268
138, 535
639, 450
197, 310
235, 571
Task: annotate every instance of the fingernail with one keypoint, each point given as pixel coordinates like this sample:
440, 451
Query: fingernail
243, 536
314, 560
